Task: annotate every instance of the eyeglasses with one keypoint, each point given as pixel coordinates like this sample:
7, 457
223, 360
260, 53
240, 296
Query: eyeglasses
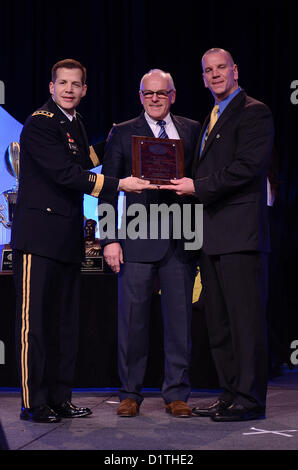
159, 93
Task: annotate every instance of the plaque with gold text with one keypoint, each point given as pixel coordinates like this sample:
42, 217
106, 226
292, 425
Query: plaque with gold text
157, 160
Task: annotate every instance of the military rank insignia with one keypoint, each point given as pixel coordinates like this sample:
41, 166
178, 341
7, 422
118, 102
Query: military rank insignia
43, 112
72, 145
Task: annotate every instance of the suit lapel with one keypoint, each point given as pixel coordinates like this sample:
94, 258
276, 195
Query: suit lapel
232, 107
142, 127
83, 132
66, 126
181, 129
198, 148
185, 135
62, 120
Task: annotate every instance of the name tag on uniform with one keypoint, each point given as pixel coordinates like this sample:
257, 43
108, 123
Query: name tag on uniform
73, 147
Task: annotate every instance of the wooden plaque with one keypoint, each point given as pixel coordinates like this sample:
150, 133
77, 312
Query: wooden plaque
157, 160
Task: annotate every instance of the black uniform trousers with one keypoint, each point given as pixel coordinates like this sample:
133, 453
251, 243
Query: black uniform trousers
47, 323
135, 286
235, 294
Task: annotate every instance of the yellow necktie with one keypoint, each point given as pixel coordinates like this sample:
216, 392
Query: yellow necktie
213, 119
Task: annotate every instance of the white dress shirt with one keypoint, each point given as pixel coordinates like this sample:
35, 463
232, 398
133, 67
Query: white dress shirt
69, 116
169, 126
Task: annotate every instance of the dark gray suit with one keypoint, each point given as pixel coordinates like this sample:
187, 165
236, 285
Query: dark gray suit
144, 260
230, 180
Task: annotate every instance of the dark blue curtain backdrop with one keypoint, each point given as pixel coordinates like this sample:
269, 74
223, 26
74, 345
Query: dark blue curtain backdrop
119, 40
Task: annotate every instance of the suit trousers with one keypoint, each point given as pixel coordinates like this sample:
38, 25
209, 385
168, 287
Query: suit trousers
235, 294
47, 322
135, 287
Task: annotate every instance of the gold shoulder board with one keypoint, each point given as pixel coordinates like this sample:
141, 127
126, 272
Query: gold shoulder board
43, 113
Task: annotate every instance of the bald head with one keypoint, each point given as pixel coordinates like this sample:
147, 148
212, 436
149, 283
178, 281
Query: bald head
220, 74
216, 50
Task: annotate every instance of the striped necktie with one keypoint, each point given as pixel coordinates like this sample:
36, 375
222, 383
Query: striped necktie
213, 119
162, 133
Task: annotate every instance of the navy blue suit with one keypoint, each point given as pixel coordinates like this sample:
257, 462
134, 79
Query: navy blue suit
144, 261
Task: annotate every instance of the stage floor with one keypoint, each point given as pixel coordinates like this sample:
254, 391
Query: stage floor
154, 429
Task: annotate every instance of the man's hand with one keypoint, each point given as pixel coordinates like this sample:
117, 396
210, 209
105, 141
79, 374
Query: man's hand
183, 186
133, 184
113, 256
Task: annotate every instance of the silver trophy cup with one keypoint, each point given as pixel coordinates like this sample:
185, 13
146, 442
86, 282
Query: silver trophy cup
12, 163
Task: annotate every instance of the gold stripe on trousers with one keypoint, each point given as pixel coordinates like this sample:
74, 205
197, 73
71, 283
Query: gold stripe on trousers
25, 327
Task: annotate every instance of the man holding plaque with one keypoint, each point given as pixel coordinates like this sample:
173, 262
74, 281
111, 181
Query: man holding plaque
48, 244
140, 261
230, 179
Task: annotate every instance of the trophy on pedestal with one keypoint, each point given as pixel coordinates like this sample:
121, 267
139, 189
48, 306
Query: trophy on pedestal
93, 252
12, 163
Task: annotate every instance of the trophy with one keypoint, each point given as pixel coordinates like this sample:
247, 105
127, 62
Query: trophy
12, 163
94, 261
93, 253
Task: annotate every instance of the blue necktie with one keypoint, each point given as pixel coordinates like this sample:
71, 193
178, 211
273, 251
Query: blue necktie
162, 133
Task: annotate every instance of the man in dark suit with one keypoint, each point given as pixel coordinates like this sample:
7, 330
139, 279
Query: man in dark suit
47, 241
230, 180
143, 260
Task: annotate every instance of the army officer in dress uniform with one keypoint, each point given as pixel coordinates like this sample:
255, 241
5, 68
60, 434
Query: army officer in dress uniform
48, 243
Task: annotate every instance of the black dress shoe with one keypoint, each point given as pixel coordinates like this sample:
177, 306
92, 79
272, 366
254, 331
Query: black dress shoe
41, 414
69, 410
237, 412
211, 409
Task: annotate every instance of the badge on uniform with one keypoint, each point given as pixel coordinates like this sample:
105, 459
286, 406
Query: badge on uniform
72, 145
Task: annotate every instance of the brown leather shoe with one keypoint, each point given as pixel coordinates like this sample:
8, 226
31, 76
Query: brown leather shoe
179, 409
128, 408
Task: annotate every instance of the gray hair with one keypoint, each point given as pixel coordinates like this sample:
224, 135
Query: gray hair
166, 74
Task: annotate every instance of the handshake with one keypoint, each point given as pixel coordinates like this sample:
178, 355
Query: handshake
182, 186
